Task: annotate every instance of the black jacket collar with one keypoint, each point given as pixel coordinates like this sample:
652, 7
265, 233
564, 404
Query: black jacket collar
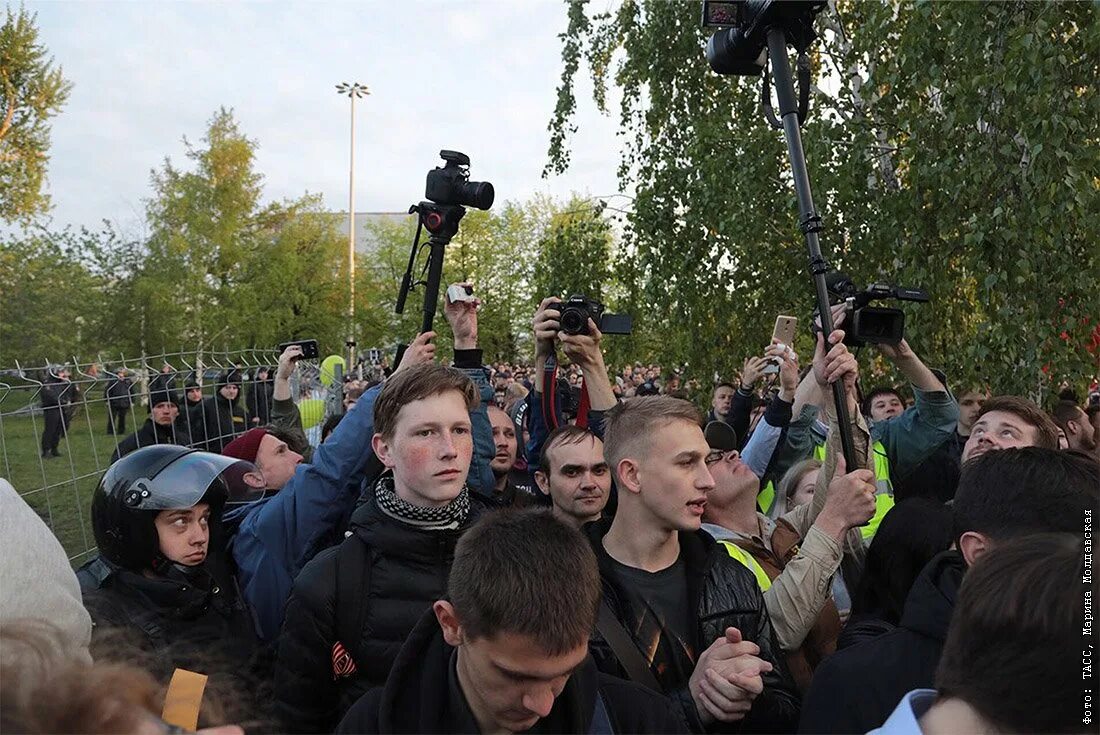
931, 601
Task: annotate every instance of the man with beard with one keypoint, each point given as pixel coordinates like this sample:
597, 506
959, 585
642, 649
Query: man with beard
1079, 431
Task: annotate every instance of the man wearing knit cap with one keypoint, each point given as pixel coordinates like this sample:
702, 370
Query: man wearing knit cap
165, 425
222, 418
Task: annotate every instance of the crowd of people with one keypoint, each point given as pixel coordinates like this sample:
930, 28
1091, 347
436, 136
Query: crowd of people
560, 547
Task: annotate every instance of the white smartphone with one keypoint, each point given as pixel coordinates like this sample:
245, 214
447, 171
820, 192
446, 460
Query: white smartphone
785, 329
460, 293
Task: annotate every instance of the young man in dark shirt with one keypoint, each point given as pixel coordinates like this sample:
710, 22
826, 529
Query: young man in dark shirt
691, 614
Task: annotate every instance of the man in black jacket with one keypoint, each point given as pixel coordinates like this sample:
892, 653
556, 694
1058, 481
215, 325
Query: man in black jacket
159, 574
165, 425
259, 399
57, 395
501, 654
353, 605
686, 608
119, 395
1002, 495
218, 420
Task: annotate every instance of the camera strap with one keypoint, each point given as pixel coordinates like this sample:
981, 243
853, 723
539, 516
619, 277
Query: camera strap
803, 93
584, 407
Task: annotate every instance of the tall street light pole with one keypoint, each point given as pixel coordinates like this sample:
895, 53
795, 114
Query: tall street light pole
353, 91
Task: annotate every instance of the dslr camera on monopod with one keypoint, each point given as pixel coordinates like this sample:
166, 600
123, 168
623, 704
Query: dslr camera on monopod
447, 191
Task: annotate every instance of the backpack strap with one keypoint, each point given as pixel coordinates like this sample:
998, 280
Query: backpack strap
630, 658
353, 570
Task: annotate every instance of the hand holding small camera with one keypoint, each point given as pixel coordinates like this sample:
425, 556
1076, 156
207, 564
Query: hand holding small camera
787, 360
752, 371
460, 309
288, 361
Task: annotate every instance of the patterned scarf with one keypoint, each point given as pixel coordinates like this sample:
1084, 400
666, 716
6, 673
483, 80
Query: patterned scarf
449, 516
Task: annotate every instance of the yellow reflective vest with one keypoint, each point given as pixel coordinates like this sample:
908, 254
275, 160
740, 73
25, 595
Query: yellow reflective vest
735, 551
884, 493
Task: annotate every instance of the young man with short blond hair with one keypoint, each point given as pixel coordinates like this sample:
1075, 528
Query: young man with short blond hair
694, 613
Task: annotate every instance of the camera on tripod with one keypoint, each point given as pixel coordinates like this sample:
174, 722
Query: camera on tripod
865, 324
577, 310
740, 47
451, 184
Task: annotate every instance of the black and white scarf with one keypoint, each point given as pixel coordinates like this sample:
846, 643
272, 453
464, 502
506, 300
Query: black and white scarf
449, 516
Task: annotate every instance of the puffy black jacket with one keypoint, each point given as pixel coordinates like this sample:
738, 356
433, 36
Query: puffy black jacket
152, 433
856, 689
723, 593
415, 697
392, 572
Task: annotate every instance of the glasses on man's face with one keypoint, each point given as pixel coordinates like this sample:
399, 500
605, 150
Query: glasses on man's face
716, 455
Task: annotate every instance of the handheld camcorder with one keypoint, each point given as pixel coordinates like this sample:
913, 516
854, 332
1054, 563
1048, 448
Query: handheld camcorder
451, 184
865, 324
577, 310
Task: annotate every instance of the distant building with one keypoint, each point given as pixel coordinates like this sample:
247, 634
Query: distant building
365, 242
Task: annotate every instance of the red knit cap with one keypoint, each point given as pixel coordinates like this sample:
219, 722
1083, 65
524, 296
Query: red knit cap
245, 446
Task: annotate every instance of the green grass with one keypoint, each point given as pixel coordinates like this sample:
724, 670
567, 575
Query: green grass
59, 489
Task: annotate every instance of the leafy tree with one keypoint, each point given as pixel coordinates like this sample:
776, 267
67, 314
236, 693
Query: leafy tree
950, 146
48, 294
32, 90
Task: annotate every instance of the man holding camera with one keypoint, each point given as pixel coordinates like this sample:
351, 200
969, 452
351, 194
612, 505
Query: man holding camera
908, 436
580, 341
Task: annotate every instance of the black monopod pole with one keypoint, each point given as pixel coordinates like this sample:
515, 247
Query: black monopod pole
809, 221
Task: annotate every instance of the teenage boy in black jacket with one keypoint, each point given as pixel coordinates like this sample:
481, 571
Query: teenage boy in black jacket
353, 605
501, 654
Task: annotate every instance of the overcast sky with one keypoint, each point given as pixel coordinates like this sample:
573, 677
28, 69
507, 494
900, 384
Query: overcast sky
477, 76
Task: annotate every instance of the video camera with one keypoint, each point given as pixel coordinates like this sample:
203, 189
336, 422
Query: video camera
865, 324
451, 184
740, 47
577, 310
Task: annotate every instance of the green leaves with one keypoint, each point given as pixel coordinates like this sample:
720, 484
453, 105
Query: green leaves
32, 90
949, 154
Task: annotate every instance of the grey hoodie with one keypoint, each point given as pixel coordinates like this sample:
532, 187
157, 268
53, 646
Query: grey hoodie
36, 579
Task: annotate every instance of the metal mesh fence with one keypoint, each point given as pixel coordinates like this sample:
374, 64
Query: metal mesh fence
57, 436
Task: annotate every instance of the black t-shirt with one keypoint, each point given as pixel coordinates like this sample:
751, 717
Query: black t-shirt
661, 620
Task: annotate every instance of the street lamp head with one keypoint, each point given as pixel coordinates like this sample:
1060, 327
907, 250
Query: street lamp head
353, 90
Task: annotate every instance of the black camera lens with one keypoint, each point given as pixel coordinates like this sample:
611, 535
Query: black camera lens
574, 321
478, 194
